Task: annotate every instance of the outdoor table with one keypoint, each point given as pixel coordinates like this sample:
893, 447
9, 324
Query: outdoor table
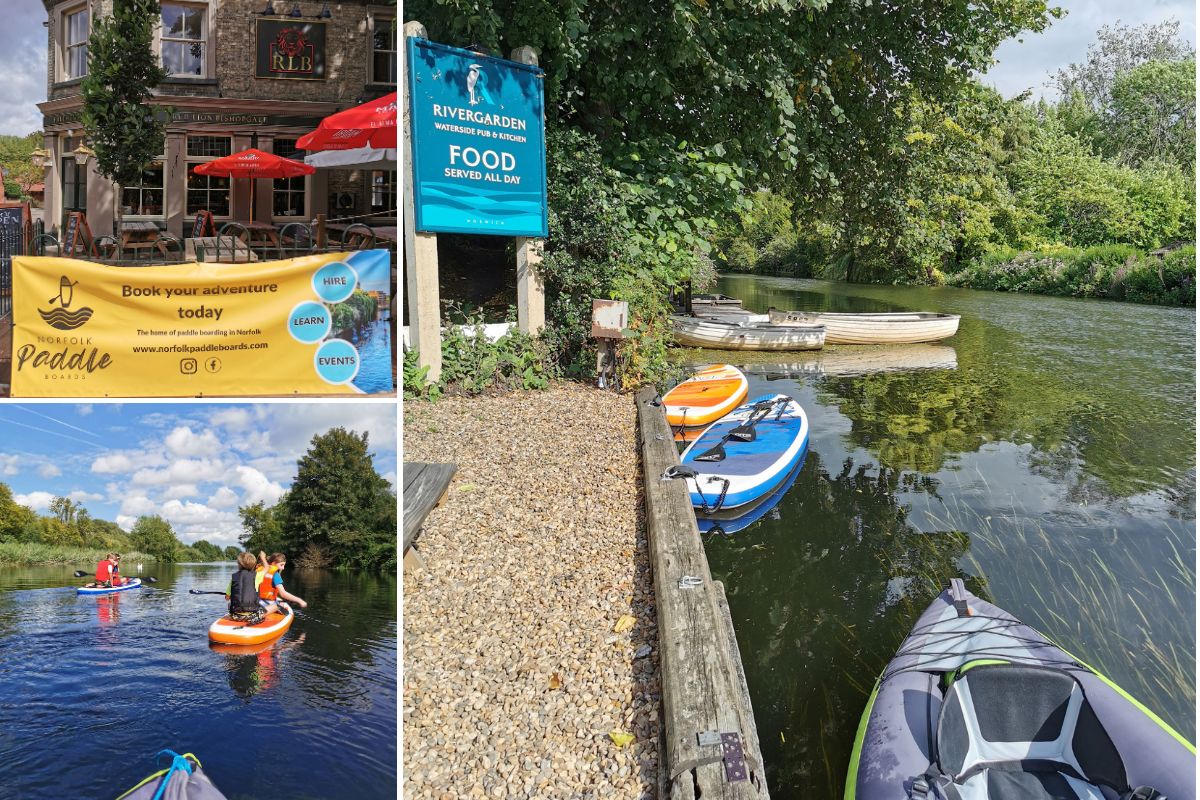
261, 233
141, 236
383, 234
221, 249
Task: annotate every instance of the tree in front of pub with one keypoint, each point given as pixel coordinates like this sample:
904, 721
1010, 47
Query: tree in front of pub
126, 132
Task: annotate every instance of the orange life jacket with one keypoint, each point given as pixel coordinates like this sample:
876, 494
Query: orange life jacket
266, 589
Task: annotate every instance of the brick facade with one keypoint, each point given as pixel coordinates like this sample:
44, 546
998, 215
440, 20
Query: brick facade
228, 100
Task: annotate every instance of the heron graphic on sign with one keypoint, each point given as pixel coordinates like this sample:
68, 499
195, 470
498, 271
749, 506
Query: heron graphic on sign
477, 85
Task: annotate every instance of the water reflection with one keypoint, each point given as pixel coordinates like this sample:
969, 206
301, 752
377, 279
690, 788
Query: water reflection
1053, 469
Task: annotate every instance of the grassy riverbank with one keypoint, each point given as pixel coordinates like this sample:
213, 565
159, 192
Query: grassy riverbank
29, 554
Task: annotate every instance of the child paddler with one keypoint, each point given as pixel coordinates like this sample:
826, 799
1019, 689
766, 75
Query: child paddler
270, 589
243, 596
106, 571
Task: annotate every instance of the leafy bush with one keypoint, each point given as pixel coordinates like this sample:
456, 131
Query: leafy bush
1114, 272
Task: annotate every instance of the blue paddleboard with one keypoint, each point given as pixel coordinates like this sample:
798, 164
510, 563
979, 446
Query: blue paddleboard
744, 456
133, 583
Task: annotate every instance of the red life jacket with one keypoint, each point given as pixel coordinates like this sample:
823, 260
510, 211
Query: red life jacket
104, 571
266, 589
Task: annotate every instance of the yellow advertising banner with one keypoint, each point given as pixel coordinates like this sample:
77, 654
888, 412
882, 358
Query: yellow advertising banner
312, 325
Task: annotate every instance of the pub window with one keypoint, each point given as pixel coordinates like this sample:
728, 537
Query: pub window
75, 42
205, 192
74, 179
289, 192
183, 39
383, 50
383, 191
145, 199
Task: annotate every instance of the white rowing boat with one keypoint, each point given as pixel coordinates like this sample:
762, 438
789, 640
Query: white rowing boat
869, 328
721, 335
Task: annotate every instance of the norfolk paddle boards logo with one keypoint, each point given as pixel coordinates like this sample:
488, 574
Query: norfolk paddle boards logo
63, 318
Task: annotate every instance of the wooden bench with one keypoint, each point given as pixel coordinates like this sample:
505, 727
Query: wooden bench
425, 486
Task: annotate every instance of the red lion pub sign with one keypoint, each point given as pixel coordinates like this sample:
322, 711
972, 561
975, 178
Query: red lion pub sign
287, 48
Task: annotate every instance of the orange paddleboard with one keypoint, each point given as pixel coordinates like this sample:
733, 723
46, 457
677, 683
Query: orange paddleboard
706, 396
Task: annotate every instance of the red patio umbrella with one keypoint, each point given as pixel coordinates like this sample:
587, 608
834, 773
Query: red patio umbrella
372, 124
254, 163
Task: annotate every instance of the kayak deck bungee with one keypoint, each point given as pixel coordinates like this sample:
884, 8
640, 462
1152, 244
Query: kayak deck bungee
132, 583
227, 630
977, 704
706, 396
744, 456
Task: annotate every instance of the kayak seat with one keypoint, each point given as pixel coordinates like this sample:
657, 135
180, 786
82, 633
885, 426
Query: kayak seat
1019, 732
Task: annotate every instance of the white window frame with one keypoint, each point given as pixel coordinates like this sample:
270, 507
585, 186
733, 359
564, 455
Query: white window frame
161, 161
64, 65
372, 191
305, 213
206, 39
390, 18
191, 161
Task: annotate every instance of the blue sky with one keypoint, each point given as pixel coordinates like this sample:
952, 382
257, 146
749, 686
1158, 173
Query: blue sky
193, 464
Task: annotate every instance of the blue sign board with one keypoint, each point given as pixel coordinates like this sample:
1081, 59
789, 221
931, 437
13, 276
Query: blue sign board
478, 142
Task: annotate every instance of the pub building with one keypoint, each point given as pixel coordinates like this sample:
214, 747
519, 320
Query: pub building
241, 73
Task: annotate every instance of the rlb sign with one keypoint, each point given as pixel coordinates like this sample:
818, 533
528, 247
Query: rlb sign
479, 142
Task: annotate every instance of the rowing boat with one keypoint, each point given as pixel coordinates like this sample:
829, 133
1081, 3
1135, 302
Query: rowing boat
722, 335
871, 328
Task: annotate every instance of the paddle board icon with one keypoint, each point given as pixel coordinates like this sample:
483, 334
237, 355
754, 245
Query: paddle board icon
62, 318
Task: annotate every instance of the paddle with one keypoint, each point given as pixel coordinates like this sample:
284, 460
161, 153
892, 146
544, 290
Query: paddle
744, 432
199, 591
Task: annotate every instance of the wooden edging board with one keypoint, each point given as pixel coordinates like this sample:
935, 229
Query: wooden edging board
703, 684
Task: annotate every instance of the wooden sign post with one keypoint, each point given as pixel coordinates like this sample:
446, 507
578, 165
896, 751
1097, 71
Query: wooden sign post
420, 250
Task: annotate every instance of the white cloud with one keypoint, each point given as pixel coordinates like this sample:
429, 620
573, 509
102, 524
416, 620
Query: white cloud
256, 487
38, 501
231, 418
184, 470
113, 464
183, 442
49, 470
390, 477
85, 409
126, 522
223, 498
137, 505
181, 490
8, 464
80, 496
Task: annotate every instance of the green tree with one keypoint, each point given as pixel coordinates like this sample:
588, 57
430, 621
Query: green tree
1154, 113
153, 535
64, 510
123, 70
1118, 49
16, 158
338, 505
231, 553
14, 518
262, 526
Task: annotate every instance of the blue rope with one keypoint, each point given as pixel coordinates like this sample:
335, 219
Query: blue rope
178, 762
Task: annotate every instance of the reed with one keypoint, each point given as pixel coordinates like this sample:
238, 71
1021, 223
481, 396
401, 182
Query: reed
30, 553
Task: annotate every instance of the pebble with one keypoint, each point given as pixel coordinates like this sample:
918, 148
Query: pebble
535, 554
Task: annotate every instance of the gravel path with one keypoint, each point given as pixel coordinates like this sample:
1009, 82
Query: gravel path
514, 672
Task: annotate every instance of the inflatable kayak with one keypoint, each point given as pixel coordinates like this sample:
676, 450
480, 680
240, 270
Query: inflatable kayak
183, 779
977, 705
91, 588
706, 396
745, 456
232, 631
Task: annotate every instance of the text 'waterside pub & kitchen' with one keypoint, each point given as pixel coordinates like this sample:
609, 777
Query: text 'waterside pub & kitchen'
242, 73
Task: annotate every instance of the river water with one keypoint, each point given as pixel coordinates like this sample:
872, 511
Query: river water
92, 687
1045, 454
